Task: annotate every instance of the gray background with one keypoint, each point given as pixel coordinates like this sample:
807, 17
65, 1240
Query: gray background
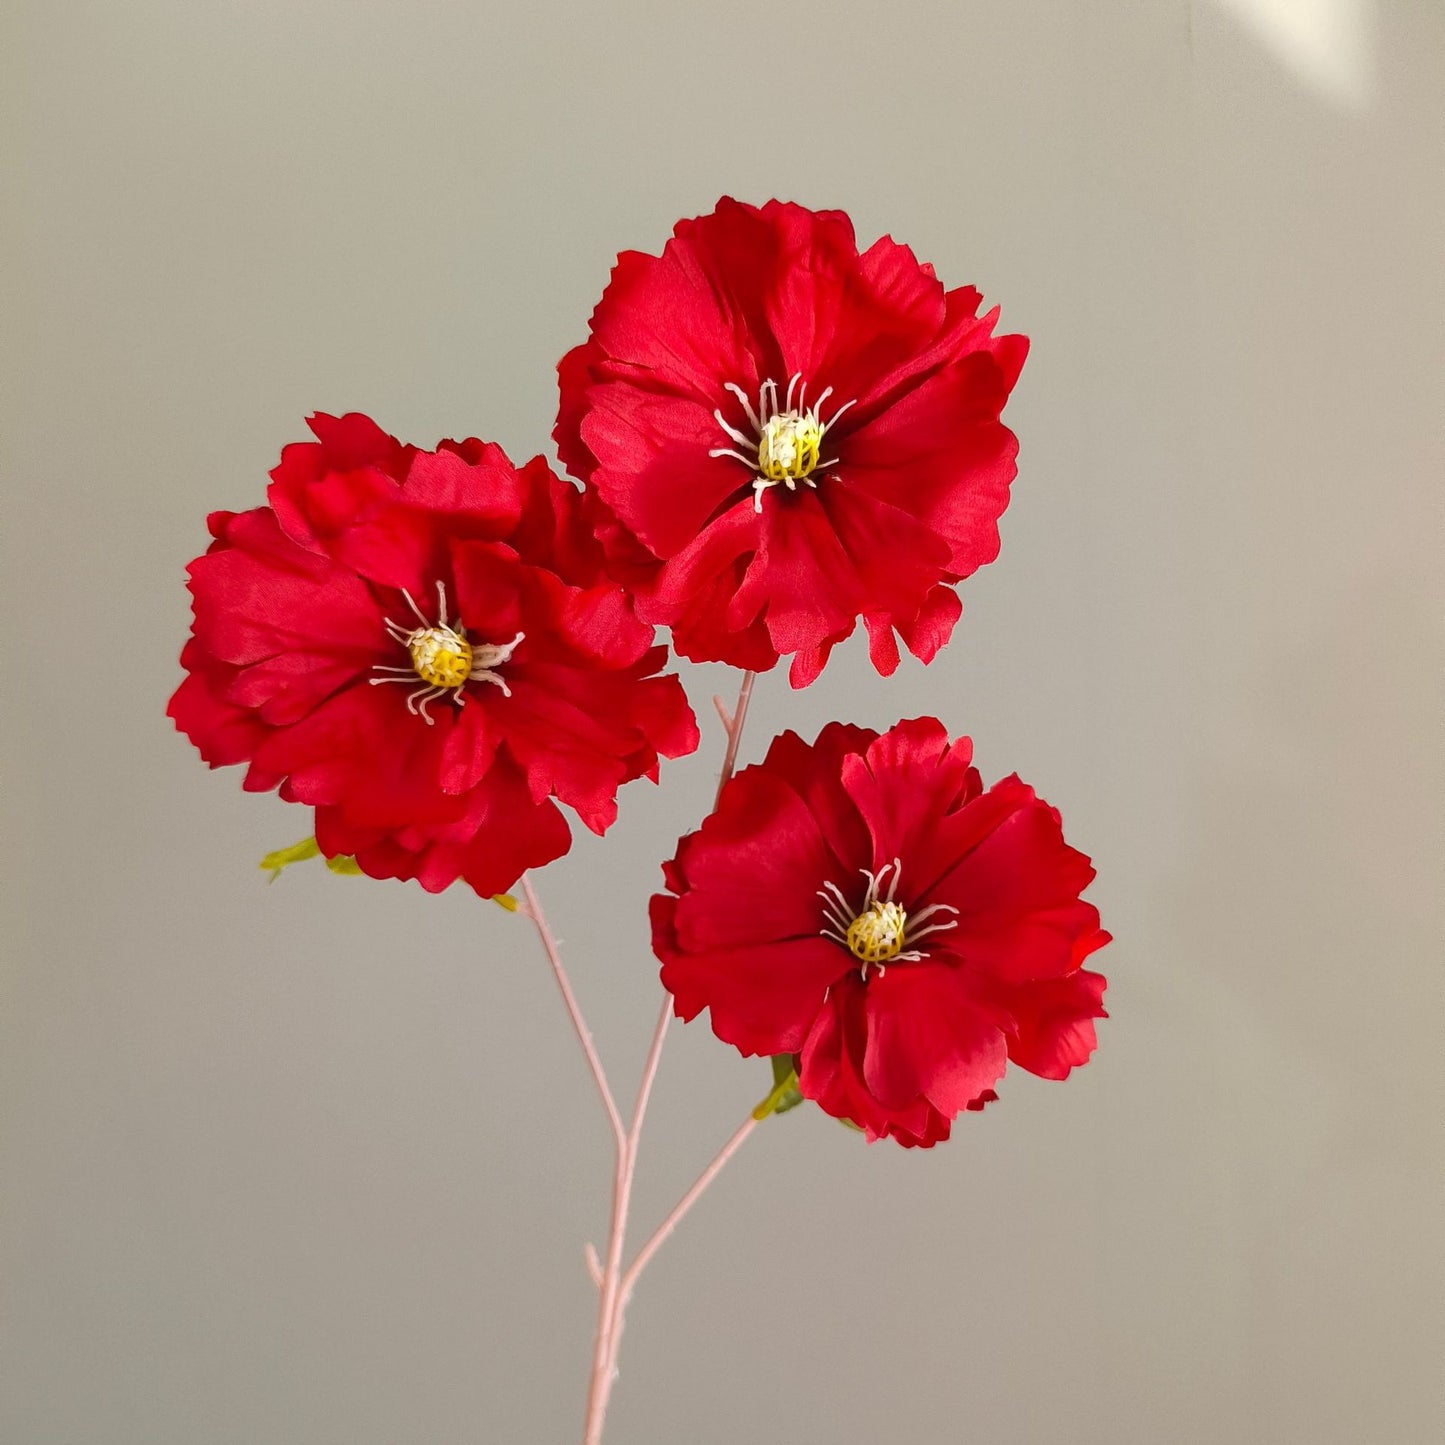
313, 1163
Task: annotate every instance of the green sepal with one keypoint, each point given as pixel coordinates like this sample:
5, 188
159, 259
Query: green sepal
302, 852
342, 864
274, 862
785, 1094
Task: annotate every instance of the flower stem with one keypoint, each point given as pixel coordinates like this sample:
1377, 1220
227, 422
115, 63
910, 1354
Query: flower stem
663, 1230
574, 1011
734, 722
615, 1286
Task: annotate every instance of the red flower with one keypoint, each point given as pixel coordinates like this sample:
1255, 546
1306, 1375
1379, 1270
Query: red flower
789, 435
866, 906
423, 646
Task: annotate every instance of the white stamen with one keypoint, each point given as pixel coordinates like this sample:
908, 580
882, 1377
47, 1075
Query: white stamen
836, 910
416, 703
928, 912
752, 416
421, 616
734, 433
731, 452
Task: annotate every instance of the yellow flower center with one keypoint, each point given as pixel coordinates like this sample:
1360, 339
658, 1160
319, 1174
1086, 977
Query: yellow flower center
789, 446
876, 935
880, 930
784, 442
441, 656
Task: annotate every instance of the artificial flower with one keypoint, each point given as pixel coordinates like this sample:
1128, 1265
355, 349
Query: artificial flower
866, 906
423, 646
788, 435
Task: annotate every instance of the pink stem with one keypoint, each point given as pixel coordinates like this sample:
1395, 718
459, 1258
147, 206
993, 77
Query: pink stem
604, 1355
735, 732
612, 1300
659, 1236
599, 1382
574, 1012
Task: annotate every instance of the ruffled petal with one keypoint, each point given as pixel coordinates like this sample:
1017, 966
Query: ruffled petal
814, 772
654, 466
831, 1073
1054, 1022
762, 999
222, 733
319, 487
903, 786
754, 869
940, 453
801, 579
1016, 887
663, 318
928, 1038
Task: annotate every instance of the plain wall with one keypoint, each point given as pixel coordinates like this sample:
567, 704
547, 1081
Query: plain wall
315, 1162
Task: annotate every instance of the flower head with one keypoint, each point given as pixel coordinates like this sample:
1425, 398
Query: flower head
423, 647
788, 435
864, 904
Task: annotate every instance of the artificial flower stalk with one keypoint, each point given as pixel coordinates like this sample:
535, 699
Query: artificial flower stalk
533, 911
614, 1283
659, 1238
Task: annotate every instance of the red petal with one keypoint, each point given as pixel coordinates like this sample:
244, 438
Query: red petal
1054, 1022
801, 578
926, 633
653, 464
830, 1072
814, 772
762, 998
1017, 889
940, 453
222, 733
262, 595
663, 317
482, 487
882, 646
903, 786
755, 868
927, 1038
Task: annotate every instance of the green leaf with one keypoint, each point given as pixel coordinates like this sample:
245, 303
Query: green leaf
785, 1094
273, 863
303, 851
342, 864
